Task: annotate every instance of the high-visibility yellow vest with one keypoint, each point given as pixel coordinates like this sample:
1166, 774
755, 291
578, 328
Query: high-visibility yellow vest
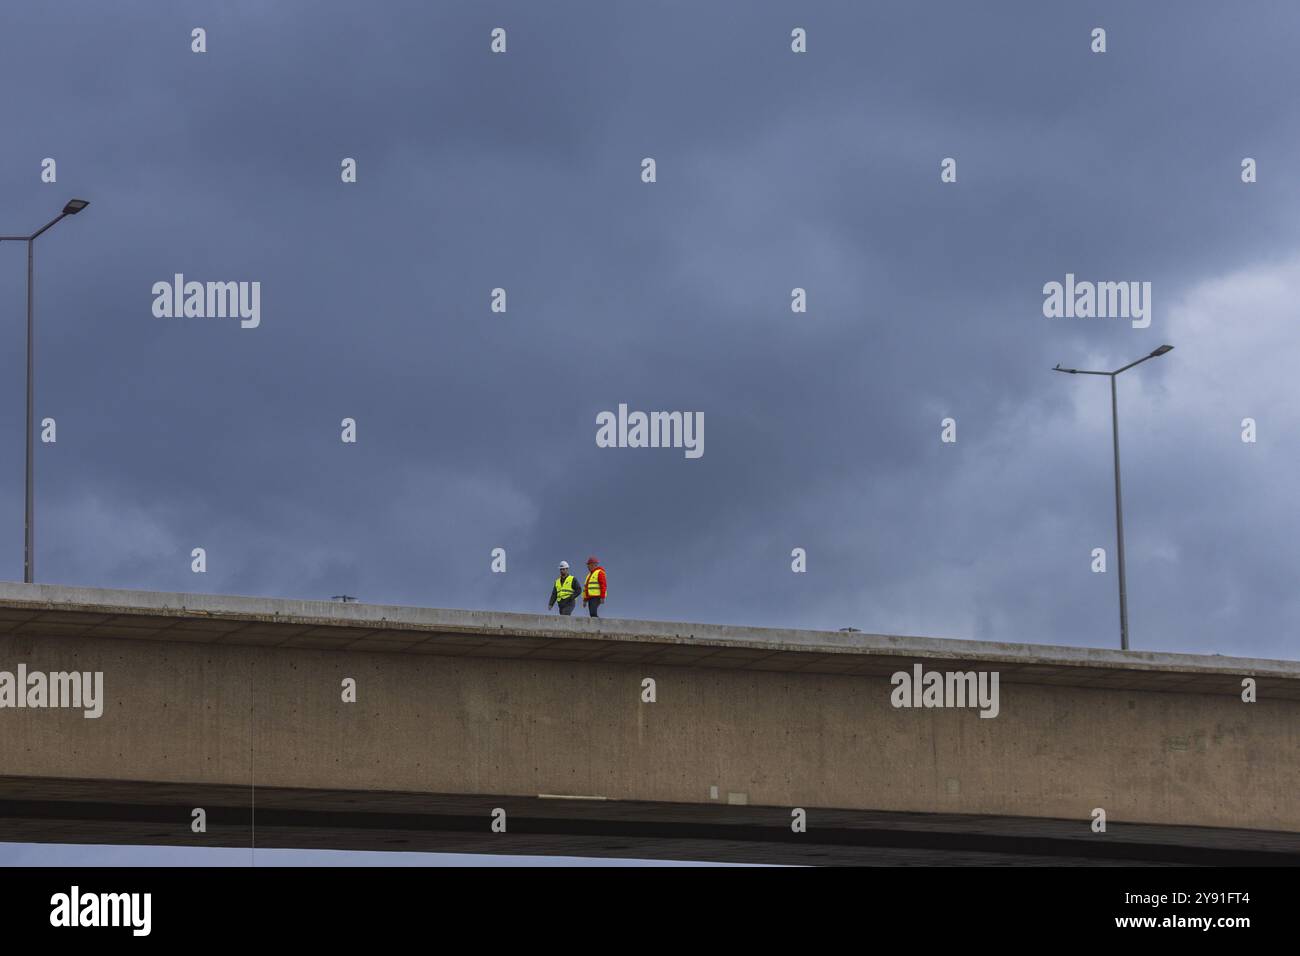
565, 588
593, 583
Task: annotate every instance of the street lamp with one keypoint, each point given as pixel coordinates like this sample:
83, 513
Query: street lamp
1119, 510
73, 207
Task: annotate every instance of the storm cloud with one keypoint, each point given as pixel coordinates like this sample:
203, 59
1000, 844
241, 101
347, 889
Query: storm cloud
775, 171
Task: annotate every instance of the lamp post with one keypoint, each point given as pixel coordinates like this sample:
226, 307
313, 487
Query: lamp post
73, 207
1119, 508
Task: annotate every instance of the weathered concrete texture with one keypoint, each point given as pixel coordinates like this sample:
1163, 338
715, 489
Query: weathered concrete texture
214, 691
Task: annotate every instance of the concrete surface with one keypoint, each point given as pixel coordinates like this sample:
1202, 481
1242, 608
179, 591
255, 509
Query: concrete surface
206, 691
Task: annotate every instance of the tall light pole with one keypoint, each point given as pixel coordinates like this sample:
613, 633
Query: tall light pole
1119, 508
73, 207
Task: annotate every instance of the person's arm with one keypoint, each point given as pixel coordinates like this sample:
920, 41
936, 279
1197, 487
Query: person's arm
551, 603
602, 584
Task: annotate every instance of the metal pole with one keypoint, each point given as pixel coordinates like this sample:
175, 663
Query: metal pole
1119, 521
73, 207
29, 549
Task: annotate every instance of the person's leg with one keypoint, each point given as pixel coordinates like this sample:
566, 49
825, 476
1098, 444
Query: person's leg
566, 607
592, 605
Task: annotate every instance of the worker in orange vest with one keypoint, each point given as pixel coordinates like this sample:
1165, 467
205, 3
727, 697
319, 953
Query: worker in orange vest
593, 591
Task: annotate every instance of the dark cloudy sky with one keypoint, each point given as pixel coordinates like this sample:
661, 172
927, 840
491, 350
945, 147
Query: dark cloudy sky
775, 171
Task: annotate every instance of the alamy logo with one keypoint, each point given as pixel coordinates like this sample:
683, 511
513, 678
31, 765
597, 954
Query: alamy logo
75, 908
653, 430
1101, 300
946, 689
78, 690
209, 300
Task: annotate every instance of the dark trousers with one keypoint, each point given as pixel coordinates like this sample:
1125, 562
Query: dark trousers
592, 605
566, 607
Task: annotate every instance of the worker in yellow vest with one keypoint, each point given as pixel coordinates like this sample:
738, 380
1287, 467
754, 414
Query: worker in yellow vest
593, 591
565, 590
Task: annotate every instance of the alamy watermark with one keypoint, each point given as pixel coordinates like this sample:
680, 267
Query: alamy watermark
78, 690
209, 300
946, 689
651, 430
1100, 300
75, 908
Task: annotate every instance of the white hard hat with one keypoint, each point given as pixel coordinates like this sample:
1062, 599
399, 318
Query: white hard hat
565, 565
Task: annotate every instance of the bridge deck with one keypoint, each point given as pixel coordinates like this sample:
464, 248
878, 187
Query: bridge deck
36, 610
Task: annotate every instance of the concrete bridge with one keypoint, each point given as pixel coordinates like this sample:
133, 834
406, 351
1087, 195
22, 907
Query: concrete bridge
317, 724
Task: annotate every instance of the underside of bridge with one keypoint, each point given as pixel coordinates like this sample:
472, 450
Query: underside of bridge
94, 812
